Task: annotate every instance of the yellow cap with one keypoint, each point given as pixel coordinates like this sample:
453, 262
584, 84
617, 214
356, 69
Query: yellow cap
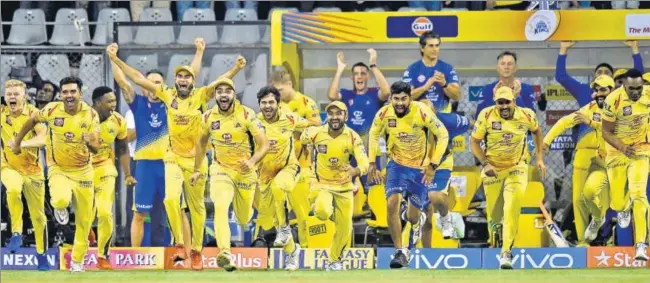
225, 81
619, 73
185, 68
337, 104
646, 77
603, 80
504, 92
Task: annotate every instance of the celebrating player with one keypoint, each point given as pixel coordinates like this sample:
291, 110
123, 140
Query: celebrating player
279, 170
432, 78
184, 103
586, 136
23, 173
230, 126
293, 101
505, 174
334, 145
413, 160
625, 120
112, 128
73, 130
594, 193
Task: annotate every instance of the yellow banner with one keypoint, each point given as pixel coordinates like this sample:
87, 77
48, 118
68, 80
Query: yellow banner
557, 92
395, 27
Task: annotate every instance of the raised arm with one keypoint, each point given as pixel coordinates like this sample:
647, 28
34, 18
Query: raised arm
333, 92
636, 55
561, 75
198, 56
127, 89
239, 65
130, 72
384, 86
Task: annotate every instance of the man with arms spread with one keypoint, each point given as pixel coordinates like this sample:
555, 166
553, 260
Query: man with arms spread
73, 136
594, 193
184, 104
625, 121
362, 102
432, 78
234, 132
293, 101
586, 136
334, 145
278, 170
413, 162
505, 174
23, 173
112, 128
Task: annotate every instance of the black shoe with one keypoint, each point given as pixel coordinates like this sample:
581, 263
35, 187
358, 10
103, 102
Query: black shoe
399, 260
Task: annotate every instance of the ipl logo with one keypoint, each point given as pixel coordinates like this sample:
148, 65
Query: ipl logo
421, 25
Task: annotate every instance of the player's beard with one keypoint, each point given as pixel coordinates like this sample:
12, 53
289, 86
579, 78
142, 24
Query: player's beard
505, 113
184, 91
269, 113
225, 104
335, 124
600, 100
400, 110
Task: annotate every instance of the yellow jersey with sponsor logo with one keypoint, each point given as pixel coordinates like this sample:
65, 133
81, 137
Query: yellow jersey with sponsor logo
281, 143
593, 140
27, 162
114, 127
630, 118
505, 139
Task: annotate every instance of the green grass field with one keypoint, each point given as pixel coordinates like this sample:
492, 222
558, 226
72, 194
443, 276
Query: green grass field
374, 276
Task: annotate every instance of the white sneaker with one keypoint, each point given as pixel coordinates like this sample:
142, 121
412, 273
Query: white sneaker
592, 230
458, 224
417, 228
641, 252
505, 262
76, 267
447, 227
282, 237
335, 266
291, 260
407, 253
624, 218
62, 216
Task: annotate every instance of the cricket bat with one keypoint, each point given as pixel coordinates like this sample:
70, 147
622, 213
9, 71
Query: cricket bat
553, 230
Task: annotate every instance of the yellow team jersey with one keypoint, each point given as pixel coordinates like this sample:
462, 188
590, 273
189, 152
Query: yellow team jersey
594, 139
231, 135
306, 108
184, 118
114, 127
505, 140
281, 142
332, 155
27, 162
65, 145
630, 118
406, 142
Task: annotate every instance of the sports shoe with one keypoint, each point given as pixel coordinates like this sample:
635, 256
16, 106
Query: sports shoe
291, 260
223, 261
197, 260
505, 262
15, 242
641, 252
42, 262
400, 259
104, 264
76, 267
335, 266
283, 236
417, 228
61, 216
624, 218
181, 253
458, 224
592, 230
447, 226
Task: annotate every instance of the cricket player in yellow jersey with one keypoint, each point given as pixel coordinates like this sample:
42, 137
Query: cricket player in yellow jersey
238, 144
414, 160
184, 103
112, 128
625, 130
304, 107
278, 171
72, 138
590, 195
334, 145
503, 127
23, 173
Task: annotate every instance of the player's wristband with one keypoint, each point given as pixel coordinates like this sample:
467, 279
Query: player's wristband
373, 66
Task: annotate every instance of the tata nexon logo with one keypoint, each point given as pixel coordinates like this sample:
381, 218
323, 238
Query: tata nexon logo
421, 25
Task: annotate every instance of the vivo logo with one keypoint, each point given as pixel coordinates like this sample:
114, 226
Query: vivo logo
556, 260
449, 261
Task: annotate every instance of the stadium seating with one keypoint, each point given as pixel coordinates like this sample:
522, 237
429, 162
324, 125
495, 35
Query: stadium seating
411, 9
221, 63
28, 28
8, 61
179, 60
53, 67
104, 30
327, 9
240, 34
65, 31
155, 35
91, 73
376, 9
143, 63
189, 32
